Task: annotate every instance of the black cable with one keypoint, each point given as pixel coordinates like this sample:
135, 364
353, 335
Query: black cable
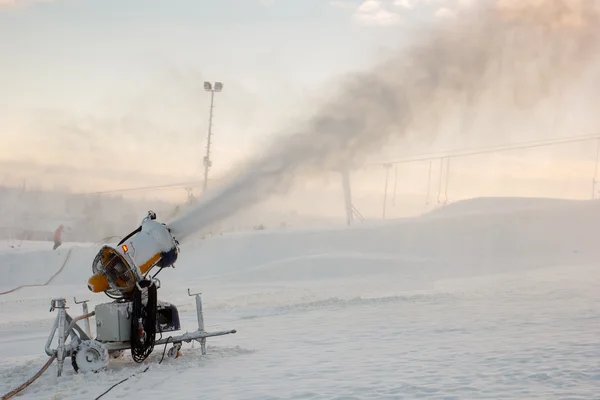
118, 383
142, 348
165, 349
154, 276
131, 376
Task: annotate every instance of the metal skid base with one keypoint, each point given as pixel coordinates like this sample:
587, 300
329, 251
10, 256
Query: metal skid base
68, 328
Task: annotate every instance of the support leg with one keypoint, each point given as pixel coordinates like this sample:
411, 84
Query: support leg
60, 305
200, 322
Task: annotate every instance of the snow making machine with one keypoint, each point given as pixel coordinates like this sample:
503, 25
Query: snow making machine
135, 317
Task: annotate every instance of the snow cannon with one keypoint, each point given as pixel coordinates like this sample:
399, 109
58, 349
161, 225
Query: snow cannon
135, 316
117, 270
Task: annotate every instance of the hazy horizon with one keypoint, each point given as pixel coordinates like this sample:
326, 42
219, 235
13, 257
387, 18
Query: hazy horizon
103, 96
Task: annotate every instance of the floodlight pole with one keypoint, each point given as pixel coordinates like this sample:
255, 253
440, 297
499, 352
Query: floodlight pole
207, 162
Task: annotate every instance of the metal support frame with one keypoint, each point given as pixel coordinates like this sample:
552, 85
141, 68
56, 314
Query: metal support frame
62, 317
73, 331
67, 327
200, 315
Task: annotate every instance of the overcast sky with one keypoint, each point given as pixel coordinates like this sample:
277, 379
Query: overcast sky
108, 93
81, 78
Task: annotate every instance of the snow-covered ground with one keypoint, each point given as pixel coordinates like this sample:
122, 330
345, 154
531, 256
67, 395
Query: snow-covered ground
485, 299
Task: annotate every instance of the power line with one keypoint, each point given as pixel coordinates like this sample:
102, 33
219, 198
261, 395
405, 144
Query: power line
144, 188
487, 150
421, 157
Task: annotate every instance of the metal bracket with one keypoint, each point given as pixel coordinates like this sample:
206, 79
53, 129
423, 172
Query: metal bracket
200, 315
85, 311
152, 282
60, 303
79, 302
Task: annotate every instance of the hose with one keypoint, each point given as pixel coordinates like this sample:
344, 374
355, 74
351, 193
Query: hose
30, 381
49, 280
18, 390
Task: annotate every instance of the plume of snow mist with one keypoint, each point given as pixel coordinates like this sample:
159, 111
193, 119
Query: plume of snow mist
515, 54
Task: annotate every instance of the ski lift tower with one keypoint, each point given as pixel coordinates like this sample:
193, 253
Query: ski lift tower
347, 195
218, 86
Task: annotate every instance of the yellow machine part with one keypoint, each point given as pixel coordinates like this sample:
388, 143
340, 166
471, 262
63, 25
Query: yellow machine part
149, 264
99, 281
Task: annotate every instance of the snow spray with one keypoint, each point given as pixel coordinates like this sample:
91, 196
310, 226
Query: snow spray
515, 54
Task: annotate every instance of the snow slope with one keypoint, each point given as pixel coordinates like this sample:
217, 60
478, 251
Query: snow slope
488, 298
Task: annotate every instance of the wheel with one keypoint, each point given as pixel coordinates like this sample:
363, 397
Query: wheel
90, 356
